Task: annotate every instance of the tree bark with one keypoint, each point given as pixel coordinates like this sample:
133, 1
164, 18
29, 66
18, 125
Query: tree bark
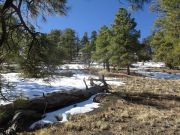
128, 70
107, 66
104, 65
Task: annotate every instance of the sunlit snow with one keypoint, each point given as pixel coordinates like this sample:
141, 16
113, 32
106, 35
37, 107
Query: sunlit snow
140, 67
80, 108
160, 75
149, 64
31, 88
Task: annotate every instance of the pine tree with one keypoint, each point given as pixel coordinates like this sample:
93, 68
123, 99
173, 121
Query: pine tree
166, 38
86, 49
84, 40
93, 41
86, 54
124, 42
68, 43
102, 43
145, 50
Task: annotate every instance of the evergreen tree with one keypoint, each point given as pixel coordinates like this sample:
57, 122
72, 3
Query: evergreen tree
86, 54
166, 38
102, 43
54, 36
54, 39
20, 9
78, 45
89, 47
124, 42
84, 40
85, 49
23, 11
41, 61
145, 50
68, 43
93, 41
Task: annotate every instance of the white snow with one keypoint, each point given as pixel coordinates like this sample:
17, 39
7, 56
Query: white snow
73, 66
140, 67
160, 75
149, 64
114, 81
2, 102
80, 108
31, 88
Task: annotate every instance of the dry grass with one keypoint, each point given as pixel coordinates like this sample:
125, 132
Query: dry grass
141, 107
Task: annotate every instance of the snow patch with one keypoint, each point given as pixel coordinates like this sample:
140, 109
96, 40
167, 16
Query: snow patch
149, 64
160, 75
140, 67
31, 88
79, 108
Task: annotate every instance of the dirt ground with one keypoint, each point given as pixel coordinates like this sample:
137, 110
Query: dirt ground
140, 107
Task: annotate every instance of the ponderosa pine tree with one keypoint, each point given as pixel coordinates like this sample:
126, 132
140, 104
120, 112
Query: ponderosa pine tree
85, 49
58, 53
24, 11
137, 4
86, 54
124, 41
102, 43
166, 39
145, 50
54, 36
93, 41
84, 40
68, 43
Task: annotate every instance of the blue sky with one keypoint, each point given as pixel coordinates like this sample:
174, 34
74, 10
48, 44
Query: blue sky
89, 15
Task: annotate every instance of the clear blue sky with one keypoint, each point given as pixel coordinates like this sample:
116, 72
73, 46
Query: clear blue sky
89, 15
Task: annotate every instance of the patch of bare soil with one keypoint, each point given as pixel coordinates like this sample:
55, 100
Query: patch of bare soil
141, 107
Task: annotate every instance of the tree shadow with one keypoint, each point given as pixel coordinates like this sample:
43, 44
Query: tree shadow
159, 101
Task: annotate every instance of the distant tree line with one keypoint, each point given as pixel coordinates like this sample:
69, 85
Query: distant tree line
53, 49
117, 46
37, 54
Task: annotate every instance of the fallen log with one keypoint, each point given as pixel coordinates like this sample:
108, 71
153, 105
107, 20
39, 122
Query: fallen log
58, 100
49, 102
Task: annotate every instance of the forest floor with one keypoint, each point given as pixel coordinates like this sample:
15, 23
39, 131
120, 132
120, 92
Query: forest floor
143, 106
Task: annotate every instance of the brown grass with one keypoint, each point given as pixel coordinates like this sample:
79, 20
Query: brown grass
141, 107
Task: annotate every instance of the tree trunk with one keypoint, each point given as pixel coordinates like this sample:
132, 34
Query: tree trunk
107, 66
128, 70
104, 65
89, 63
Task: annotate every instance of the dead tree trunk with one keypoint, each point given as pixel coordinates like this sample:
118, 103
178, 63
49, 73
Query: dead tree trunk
51, 102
